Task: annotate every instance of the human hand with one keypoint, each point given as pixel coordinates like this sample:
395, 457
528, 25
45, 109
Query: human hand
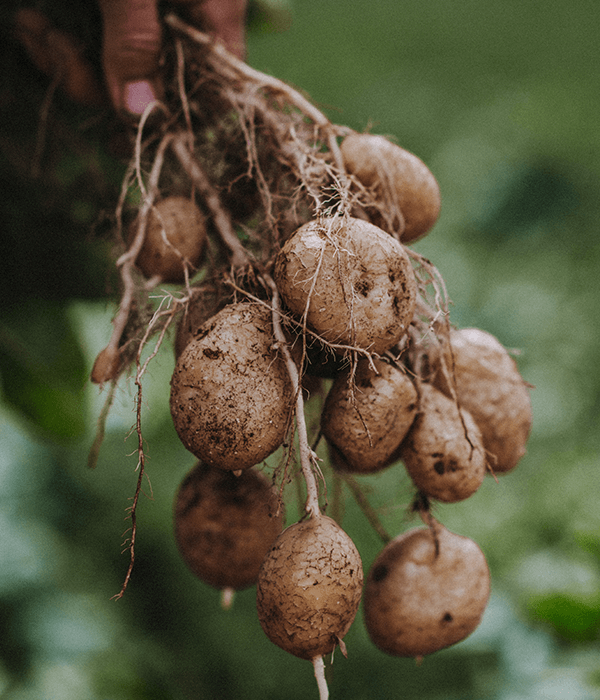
132, 39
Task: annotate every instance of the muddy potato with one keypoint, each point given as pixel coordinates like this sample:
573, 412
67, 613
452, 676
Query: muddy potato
399, 179
230, 391
420, 598
359, 281
488, 385
443, 451
309, 588
224, 524
204, 304
368, 423
179, 220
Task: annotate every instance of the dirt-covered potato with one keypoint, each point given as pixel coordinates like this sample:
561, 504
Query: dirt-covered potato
309, 588
422, 596
175, 232
225, 524
355, 282
443, 451
231, 394
366, 422
488, 385
205, 302
399, 179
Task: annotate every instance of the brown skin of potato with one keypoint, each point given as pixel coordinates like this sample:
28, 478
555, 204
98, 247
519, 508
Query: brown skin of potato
397, 176
231, 394
443, 461
204, 304
386, 403
309, 588
419, 599
185, 230
364, 291
488, 385
225, 525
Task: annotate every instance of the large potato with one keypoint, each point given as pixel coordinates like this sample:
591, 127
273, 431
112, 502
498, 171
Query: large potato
443, 451
309, 588
489, 386
422, 595
368, 420
225, 524
231, 394
399, 180
354, 281
205, 301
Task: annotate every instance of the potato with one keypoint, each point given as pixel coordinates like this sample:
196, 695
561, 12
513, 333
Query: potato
399, 180
420, 596
231, 394
356, 281
309, 588
204, 304
225, 524
182, 223
489, 386
368, 429
443, 451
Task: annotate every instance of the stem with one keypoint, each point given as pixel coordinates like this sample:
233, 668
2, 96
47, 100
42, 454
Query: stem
307, 456
211, 198
366, 507
244, 70
264, 80
319, 667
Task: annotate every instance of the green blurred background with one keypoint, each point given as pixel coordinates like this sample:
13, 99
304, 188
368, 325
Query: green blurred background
501, 100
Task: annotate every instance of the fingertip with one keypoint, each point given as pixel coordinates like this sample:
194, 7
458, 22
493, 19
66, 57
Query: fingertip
137, 95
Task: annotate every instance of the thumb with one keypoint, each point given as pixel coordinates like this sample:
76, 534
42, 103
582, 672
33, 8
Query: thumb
132, 42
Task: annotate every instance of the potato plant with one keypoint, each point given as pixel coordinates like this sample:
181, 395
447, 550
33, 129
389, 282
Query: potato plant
278, 242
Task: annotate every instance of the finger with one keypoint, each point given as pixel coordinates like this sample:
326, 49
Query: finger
59, 56
224, 19
132, 42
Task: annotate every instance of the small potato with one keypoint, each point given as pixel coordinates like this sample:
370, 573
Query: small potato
489, 386
443, 451
354, 281
399, 179
309, 588
231, 394
421, 595
367, 422
181, 223
226, 524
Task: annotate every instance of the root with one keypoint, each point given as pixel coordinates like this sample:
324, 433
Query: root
319, 667
363, 503
308, 458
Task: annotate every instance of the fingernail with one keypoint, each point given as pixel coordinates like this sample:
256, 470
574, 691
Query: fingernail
138, 94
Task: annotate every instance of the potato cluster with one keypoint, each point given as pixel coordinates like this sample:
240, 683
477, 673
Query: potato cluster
295, 287
451, 410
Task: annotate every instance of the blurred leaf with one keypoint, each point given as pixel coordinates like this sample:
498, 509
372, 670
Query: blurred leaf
573, 618
589, 542
42, 368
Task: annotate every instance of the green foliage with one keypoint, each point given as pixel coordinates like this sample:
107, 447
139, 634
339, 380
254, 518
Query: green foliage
42, 368
572, 618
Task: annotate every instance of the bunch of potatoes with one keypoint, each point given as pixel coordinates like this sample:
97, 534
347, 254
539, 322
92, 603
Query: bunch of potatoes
348, 286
